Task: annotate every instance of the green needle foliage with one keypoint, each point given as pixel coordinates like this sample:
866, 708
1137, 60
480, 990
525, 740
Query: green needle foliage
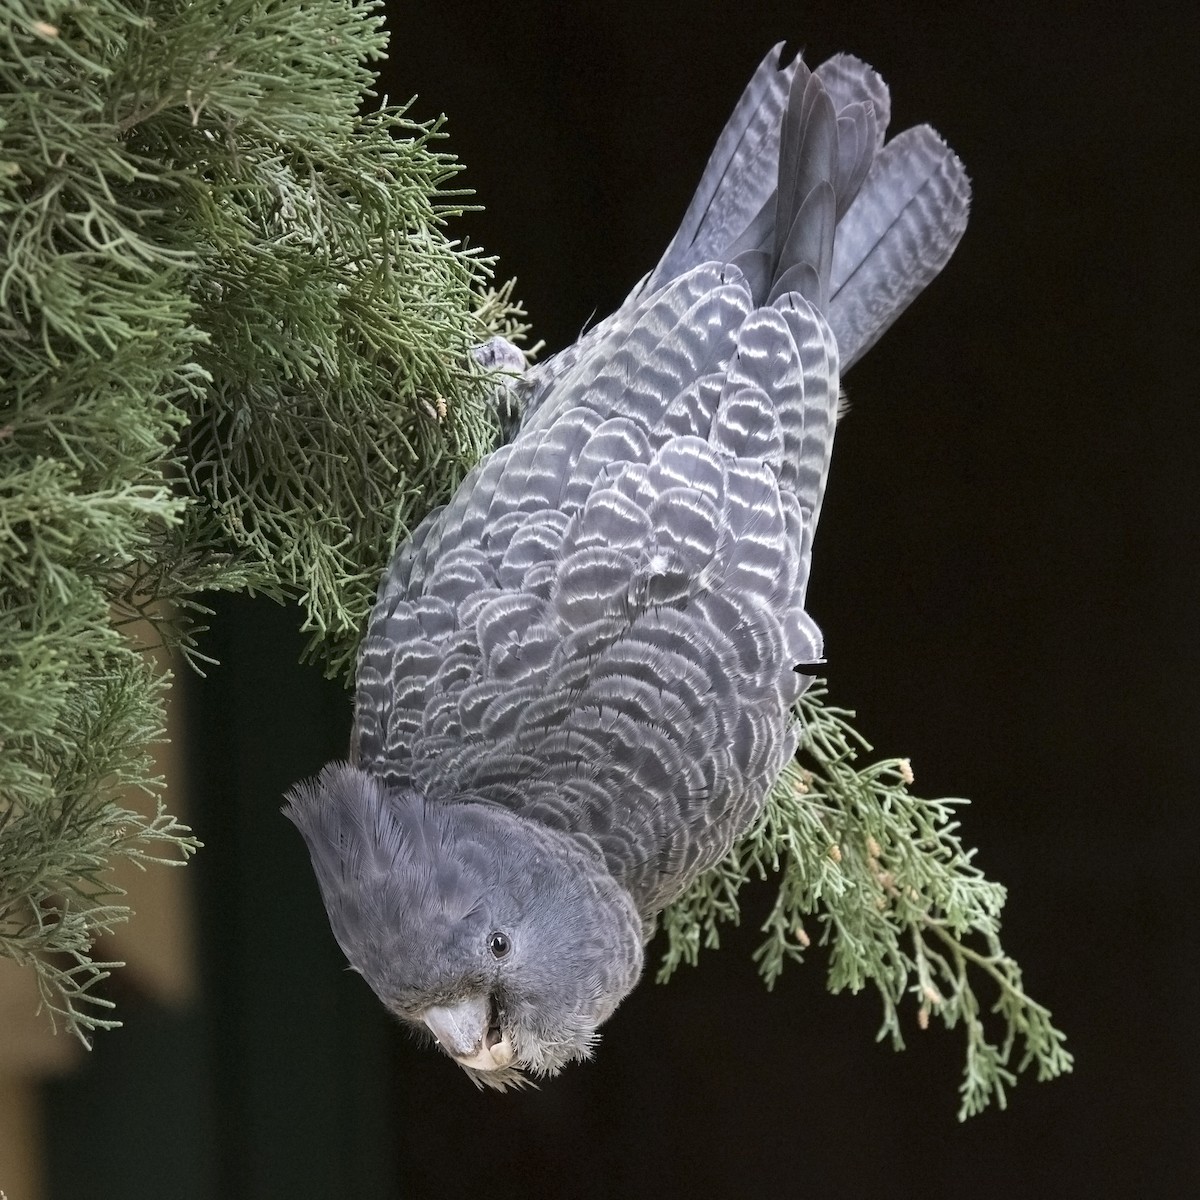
233, 355
897, 900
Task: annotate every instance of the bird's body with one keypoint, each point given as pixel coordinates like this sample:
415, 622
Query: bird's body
576, 687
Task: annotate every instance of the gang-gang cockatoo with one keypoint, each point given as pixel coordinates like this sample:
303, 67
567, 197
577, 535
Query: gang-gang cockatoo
576, 687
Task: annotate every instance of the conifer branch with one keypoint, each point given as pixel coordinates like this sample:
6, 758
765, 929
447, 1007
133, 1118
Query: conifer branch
233, 356
897, 899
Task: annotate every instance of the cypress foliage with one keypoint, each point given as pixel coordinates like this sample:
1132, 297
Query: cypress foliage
233, 355
884, 882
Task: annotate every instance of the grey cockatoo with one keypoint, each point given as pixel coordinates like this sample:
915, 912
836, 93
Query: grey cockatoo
576, 687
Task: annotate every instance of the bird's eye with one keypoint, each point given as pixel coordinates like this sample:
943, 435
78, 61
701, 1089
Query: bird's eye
499, 944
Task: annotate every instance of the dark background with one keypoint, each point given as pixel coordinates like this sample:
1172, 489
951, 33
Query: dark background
1005, 578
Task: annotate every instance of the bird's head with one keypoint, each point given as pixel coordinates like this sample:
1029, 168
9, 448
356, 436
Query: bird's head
505, 939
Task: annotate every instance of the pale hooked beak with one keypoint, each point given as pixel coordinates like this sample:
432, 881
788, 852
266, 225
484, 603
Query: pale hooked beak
468, 1034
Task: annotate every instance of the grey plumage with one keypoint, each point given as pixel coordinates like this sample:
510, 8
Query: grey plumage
576, 686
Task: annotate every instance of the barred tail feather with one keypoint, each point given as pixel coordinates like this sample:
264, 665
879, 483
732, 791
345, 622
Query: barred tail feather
899, 232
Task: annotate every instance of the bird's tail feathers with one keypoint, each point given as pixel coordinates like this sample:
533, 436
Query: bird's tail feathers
898, 233
803, 194
739, 178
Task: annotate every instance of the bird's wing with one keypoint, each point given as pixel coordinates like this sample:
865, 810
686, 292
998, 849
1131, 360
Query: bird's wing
600, 629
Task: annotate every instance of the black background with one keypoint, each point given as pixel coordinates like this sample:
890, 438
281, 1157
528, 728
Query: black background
1005, 578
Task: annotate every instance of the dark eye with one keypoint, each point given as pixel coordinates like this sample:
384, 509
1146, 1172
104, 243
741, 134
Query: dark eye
499, 944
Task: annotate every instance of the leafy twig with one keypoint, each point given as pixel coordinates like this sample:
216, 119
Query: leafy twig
898, 900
